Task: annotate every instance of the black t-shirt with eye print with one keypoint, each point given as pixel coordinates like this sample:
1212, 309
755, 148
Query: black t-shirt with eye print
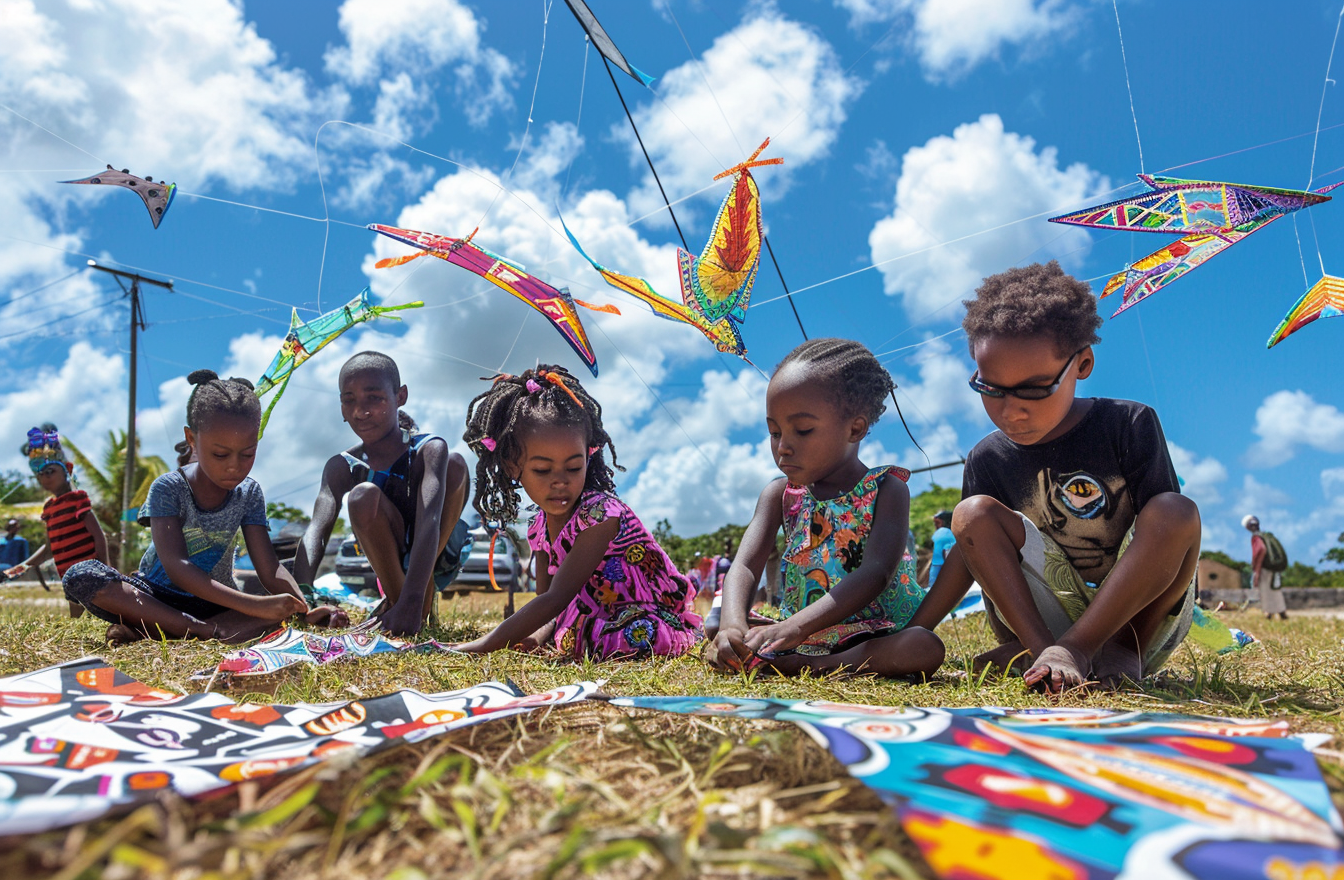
1084, 488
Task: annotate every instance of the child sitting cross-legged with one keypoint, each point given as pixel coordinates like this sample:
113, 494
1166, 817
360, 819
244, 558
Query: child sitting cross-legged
1071, 516
605, 588
849, 586
184, 587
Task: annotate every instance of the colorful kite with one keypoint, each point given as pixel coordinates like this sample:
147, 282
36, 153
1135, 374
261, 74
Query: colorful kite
603, 43
158, 197
716, 286
1211, 216
288, 647
1325, 299
306, 339
81, 740
557, 305
1086, 794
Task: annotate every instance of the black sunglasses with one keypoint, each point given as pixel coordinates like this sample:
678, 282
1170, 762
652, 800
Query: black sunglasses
1023, 392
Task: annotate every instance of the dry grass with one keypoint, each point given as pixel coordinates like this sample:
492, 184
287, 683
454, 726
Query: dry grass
592, 789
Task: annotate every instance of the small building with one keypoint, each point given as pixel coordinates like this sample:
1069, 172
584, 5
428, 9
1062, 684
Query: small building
1214, 575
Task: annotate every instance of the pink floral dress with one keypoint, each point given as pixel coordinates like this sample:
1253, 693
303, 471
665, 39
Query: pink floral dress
823, 542
635, 604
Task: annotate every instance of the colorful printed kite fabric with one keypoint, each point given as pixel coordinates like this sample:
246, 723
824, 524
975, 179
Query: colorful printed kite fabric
329, 588
1210, 215
158, 197
1180, 206
306, 339
288, 647
1077, 793
80, 740
557, 305
603, 43
1325, 299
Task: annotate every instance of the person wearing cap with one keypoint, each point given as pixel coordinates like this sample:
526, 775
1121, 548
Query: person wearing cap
1264, 578
942, 542
13, 546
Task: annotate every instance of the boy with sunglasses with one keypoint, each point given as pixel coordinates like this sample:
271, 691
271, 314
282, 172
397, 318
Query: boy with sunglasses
1071, 517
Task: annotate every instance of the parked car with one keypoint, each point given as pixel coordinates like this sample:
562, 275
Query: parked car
285, 537
353, 567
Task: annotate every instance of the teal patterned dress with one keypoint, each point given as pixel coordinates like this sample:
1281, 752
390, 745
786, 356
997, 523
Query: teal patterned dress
823, 542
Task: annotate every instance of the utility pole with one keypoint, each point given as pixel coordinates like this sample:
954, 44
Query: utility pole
137, 323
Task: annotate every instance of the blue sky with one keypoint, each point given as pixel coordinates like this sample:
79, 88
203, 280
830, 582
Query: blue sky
931, 138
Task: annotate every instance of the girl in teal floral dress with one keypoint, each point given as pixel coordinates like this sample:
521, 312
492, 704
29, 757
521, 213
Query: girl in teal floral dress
605, 588
849, 586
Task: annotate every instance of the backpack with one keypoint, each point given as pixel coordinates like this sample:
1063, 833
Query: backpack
1276, 558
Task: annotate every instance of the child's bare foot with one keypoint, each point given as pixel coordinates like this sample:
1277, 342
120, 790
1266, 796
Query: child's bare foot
1001, 659
121, 634
1115, 664
1058, 669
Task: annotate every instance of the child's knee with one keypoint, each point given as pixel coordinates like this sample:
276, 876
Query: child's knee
363, 503
976, 513
84, 580
925, 648
1173, 511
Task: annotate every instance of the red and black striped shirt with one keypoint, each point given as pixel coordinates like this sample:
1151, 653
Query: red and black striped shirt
69, 539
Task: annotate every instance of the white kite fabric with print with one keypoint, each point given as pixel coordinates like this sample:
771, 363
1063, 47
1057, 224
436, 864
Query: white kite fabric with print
82, 739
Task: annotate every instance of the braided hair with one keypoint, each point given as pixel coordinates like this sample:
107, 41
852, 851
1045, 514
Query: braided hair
546, 397
849, 370
212, 397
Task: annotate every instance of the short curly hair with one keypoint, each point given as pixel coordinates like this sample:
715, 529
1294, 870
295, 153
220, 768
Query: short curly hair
850, 371
1036, 300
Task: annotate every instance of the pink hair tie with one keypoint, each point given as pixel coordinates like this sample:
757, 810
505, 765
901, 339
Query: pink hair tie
532, 386
488, 443
593, 450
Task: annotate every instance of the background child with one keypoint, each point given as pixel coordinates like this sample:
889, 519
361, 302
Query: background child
73, 532
185, 583
605, 588
849, 586
406, 493
1071, 516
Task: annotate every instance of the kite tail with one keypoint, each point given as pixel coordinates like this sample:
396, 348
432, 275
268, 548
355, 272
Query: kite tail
381, 311
901, 415
266, 416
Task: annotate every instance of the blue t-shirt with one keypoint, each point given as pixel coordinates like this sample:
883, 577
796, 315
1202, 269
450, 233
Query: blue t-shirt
13, 551
209, 534
942, 542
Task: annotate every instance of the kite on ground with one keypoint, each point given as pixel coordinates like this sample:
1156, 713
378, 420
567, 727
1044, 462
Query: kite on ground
158, 197
288, 647
1211, 216
1077, 793
1325, 299
306, 339
82, 739
715, 286
603, 43
557, 305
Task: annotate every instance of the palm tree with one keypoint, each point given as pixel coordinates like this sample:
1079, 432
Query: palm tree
104, 485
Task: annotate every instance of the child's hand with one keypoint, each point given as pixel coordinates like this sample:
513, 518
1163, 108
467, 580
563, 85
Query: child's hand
729, 650
402, 620
15, 571
327, 615
782, 636
277, 607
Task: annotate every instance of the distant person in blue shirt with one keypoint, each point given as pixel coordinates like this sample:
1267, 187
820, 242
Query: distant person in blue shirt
13, 547
942, 542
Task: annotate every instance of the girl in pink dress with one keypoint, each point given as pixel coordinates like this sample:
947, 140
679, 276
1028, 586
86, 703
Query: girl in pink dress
605, 589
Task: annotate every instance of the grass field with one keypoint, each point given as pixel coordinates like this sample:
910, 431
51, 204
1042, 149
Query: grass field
592, 790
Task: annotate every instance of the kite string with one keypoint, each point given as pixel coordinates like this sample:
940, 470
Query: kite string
527, 129
1125, 64
1311, 172
578, 120
53, 134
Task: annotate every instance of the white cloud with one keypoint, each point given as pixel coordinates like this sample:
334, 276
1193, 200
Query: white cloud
940, 392
1201, 475
772, 77
1288, 419
953, 36
420, 37
1256, 497
680, 486
979, 178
